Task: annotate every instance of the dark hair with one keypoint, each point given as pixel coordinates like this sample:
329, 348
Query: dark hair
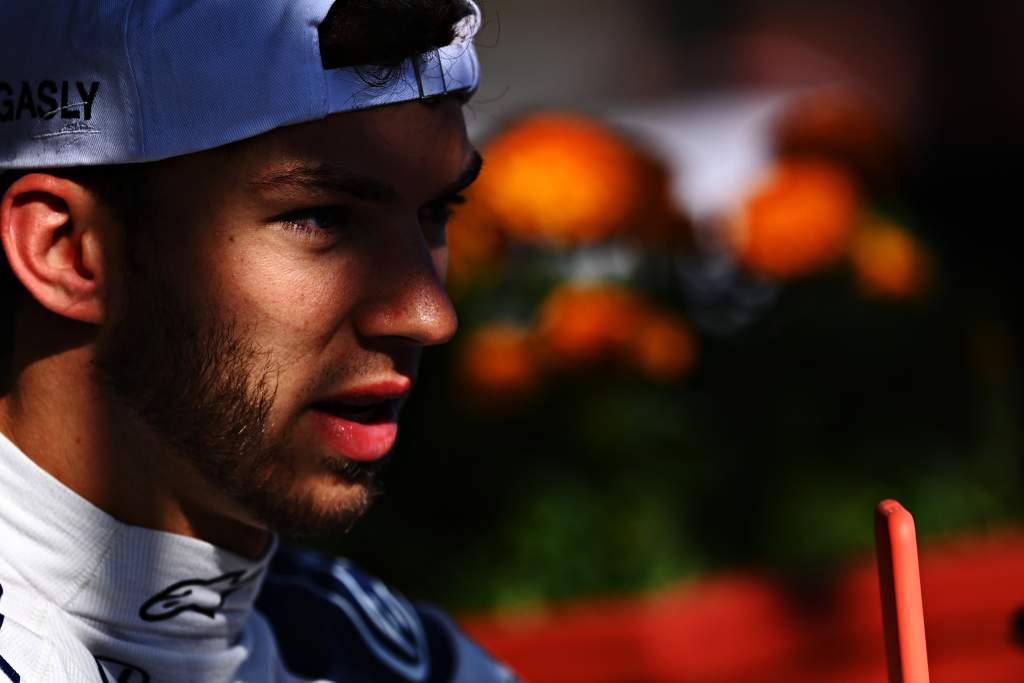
384, 33
377, 34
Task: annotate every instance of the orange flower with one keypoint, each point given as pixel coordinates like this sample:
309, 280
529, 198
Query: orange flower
559, 178
582, 324
888, 261
664, 348
798, 221
497, 362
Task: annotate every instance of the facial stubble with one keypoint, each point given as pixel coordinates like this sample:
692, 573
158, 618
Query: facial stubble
202, 387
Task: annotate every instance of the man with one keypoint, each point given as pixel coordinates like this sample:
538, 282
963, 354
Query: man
224, 226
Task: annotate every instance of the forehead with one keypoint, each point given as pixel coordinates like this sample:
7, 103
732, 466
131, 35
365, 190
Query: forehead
405, 144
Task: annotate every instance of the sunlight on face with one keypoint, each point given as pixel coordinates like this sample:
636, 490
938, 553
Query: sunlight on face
280, 301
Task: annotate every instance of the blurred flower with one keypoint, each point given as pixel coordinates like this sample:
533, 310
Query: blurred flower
798, 221
664, 348
498, 364
586, 324
839, 124
888, 261
559, 178
583, 324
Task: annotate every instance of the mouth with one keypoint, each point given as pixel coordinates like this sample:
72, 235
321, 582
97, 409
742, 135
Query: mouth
362, 413
361, 424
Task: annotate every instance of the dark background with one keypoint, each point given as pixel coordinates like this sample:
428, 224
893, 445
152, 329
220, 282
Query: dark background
771, 453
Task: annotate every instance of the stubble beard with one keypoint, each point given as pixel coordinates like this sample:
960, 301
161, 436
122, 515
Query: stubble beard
206, 391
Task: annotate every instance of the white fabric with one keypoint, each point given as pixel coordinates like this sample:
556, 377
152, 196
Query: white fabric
87, 82
75, 583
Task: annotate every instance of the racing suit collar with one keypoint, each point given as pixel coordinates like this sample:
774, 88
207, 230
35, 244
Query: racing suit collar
142, 585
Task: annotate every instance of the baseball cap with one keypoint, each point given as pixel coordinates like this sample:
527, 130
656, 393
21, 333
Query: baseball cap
89, 82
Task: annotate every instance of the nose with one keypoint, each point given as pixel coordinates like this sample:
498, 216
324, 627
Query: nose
404, 296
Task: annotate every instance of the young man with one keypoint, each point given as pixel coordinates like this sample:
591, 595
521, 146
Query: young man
224, 227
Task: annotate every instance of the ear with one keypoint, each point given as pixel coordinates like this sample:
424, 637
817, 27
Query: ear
51, 230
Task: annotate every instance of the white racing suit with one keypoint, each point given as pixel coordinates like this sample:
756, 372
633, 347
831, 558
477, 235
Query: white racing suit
85, 598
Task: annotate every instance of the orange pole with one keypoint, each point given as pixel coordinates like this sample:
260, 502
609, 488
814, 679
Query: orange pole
899, 582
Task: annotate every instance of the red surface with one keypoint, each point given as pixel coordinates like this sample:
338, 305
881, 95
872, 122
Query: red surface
748, 629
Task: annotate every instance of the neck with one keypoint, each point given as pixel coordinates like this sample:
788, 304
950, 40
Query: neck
56, 412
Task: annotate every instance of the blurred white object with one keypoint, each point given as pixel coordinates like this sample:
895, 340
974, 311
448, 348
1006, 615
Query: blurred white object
716, 147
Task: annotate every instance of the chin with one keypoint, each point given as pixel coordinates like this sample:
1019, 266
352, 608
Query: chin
329, 506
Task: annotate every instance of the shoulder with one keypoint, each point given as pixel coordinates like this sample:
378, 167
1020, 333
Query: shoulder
35, 644
334, 622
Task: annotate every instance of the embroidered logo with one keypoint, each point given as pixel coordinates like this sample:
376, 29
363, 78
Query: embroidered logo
47, 99
387, 623
116, 671
205, 596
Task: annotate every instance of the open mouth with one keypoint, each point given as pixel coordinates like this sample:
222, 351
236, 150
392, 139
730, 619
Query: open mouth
363, 430
363, 413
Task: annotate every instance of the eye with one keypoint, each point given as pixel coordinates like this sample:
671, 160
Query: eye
317, 222
440, 211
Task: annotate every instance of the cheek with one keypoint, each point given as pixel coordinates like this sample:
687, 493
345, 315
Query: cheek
295, 304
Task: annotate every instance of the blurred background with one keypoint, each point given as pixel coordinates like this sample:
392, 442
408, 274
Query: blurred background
734, 272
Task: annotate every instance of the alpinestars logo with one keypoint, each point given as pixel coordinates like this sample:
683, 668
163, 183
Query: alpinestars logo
205, 596
116, 671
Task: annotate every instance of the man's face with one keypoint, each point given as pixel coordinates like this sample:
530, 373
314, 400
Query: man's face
277, 301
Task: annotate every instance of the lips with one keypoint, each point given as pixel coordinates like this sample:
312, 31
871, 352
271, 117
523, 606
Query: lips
361, 423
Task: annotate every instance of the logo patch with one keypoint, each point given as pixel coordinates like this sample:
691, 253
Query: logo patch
116, 671
393, 625
387, 623
205, 596
47, 99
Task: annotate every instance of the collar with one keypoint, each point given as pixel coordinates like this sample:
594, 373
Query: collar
132, 583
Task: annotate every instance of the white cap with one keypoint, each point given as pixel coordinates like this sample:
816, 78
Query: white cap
88, 82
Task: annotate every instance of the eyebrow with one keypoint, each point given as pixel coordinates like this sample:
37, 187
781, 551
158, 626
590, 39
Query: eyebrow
470, 172
331, 178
